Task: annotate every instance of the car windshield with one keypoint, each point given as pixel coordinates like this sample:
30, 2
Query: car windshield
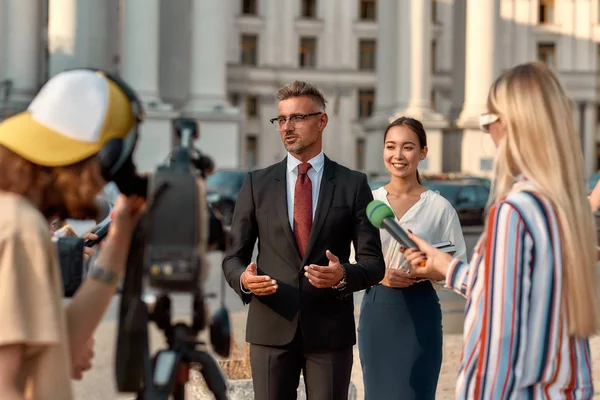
226, 182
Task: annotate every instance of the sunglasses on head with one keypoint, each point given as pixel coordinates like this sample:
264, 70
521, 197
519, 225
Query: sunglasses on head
486, 119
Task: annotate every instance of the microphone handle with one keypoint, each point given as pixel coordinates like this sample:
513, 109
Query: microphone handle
399, 234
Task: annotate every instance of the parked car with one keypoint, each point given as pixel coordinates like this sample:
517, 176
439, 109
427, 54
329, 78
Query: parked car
591, 183
468, 198
222, 190
477, 180
376, 183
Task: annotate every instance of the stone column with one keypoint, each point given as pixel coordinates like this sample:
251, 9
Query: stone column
208, 90
22, 49
481, 52
589, 138
270, 148
140, 54
385, 65
388, 84
402, 52
77, 35
420, 106
576, 112
288, 56
272, 36
482, 16
459, 18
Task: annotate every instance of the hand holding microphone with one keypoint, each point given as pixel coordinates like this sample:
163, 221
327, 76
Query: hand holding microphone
425, 259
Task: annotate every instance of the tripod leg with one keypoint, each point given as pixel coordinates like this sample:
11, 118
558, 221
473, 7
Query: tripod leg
215, 380
179, 392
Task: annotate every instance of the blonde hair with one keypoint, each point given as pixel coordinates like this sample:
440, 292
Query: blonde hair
540, 142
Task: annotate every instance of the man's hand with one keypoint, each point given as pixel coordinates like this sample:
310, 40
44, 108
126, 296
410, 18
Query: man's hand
325, 277
259, 285
396, 278
83, 362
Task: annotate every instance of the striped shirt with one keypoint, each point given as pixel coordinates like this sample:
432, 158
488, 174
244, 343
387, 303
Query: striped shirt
516, 343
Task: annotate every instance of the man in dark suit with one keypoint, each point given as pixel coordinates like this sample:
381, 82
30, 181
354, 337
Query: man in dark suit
305, 212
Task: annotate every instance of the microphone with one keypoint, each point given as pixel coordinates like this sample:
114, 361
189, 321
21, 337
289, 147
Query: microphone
382, 217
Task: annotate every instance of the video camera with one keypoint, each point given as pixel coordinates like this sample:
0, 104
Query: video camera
168, 255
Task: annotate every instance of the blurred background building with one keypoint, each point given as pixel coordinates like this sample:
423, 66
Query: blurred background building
221, 61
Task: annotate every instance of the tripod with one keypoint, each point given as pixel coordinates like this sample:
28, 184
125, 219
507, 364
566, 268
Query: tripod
168, 371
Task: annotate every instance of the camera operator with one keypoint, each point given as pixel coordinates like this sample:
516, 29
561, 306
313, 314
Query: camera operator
48, 170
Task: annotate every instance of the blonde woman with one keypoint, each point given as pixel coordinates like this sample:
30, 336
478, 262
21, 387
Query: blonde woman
531, 284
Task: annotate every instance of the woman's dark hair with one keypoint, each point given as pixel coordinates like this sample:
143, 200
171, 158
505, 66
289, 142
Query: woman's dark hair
415, 126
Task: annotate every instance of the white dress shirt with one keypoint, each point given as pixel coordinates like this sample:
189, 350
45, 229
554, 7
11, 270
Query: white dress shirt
432, 218
315, 174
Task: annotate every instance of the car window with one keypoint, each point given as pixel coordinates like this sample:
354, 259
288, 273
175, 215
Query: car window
226, 182
468, 195
448, 191
482, 194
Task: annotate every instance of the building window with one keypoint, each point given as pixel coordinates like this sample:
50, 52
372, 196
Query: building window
308, 52
249, 50
367, 10
251, 106
360, 154
234, 99
366, 54
546, 53
432, 97
251, 151
546, 12
433, 57
434, 11
309, 9
249, 7
366, 102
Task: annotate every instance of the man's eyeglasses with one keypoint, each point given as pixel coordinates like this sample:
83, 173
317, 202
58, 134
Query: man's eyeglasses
486, 119
294, 119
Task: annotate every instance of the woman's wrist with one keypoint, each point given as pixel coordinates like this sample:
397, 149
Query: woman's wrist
442, 266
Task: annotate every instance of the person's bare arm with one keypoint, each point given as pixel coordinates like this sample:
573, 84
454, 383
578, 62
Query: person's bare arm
10, 364
87, 307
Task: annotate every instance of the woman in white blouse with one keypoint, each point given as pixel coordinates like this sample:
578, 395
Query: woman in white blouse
400, 327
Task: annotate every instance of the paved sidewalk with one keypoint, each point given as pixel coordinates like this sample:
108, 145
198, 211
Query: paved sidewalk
98, 383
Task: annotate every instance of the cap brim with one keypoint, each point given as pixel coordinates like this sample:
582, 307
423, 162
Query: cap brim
41, 145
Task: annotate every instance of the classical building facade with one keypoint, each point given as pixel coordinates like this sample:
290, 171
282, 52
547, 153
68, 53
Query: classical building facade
221, 61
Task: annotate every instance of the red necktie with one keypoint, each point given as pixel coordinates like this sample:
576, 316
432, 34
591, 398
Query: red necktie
302, 207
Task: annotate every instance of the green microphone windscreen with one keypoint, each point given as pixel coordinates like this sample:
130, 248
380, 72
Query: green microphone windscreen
377, 211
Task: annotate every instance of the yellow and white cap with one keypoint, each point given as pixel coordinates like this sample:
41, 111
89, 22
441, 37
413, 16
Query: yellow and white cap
75, 113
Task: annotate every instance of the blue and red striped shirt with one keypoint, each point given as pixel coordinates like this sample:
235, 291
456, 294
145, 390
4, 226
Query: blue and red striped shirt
516, 343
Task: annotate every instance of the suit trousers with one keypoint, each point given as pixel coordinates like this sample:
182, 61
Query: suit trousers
276, 371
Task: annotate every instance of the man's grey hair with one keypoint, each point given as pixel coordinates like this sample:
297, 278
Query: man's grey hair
302, 89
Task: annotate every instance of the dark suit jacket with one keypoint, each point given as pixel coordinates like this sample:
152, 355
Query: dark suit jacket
326, 316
